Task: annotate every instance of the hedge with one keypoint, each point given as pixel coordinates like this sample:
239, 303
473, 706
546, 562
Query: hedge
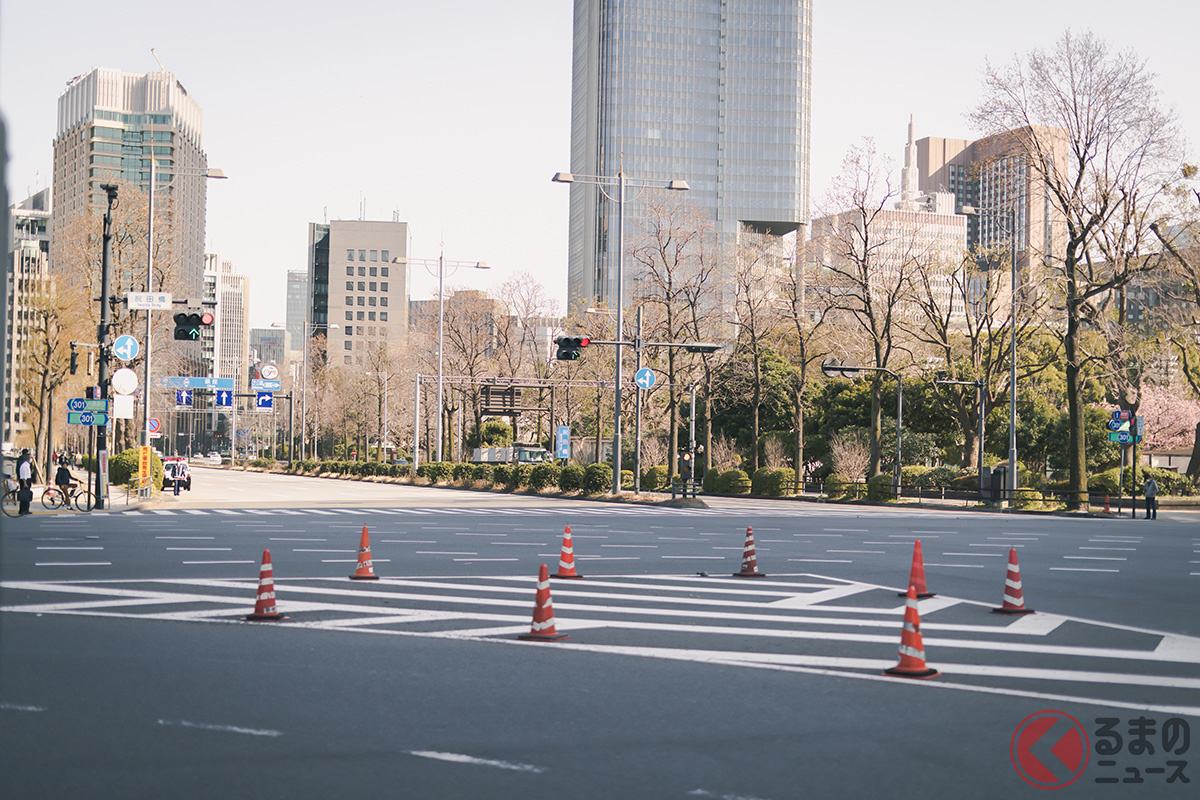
543, 476
879, 487
463, 472
597, 479
570, 478
654, 478
733, 481
482, 472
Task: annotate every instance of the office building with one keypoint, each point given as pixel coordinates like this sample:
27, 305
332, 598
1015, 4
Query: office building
297, 311
269, 346
233, 326
110, 124
358, 282
27, 283
709, 92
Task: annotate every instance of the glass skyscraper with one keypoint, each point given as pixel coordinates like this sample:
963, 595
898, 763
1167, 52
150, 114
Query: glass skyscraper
712, 92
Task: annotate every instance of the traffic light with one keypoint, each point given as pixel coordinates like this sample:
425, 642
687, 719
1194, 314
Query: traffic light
189, 323
74, 360
569, 347
685, 465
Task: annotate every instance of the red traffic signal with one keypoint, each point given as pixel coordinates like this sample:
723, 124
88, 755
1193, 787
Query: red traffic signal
569, 347
206, 318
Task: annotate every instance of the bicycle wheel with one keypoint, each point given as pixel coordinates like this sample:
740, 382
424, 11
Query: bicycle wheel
54, 499
11, 506
84, 500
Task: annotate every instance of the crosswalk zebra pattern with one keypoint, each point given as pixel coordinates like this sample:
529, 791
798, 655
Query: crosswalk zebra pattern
792, 510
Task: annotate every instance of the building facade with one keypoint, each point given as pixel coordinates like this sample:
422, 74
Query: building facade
110, 125
713, 93
27, 277
358, 282
297, 311
233, 327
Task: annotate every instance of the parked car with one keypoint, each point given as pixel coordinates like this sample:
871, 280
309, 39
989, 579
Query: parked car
175, 469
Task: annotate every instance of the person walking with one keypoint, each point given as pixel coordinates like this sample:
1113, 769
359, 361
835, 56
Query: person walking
25, 480
1151, 493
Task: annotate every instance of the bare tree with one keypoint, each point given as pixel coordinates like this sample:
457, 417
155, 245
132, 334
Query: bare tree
850, 453
1102, 109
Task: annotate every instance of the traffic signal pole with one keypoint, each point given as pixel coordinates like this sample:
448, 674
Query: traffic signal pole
102, 340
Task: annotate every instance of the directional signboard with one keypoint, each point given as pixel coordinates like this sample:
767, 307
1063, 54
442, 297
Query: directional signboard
126, 347
265, 401
152, 301
86, 418
1122, 437
562, 441
224, 397
260, 385
644, 378
193, 383
183, 398
83, 404
1122, 416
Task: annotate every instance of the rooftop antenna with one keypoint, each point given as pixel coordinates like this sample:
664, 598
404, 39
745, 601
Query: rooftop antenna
159, 60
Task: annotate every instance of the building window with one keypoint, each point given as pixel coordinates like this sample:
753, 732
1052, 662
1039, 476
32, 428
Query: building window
383, 301
370, 330
383, 271
349, 359
360, 315
371, 300
349, 315
349, 270
349, 301
383, 286
383, 316
349, 255
361, 301
373, 271
385, 255
348, 345
362, 286
362, 271
371, 315
362, 255
349, 330
374, 255
372, 286
349, 286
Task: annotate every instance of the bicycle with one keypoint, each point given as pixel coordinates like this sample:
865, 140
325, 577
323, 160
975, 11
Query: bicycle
11, 505
77, 496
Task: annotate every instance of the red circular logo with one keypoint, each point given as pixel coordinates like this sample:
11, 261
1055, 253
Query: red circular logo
1049, 749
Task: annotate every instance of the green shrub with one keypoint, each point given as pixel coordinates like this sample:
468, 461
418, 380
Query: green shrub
840, 485
435, 471
482, 472
518, 476
1028, 498
570, 478
262, 463
758, 480
910, 474
938, 476
712, 481
879, 488
123, 468
1169, 482
654, 478
734, 481
401, 470
463, 472
597, 479
780, 482
626, 479
500, 474
543, 476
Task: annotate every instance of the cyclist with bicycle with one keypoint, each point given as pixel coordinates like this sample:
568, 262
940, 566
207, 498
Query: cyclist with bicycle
63, 478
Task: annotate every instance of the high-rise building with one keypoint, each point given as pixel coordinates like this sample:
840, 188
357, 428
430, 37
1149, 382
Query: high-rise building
233, 327
297, 311
110, 124
269, 346
358, 281
706, 91
27, 278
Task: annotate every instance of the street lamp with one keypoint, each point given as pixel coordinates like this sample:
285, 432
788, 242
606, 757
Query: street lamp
834, 368
441, 263
1012, 356
621, 181
214, 174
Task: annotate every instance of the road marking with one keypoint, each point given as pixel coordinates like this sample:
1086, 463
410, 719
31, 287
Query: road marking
1120, 549
650, 546
199, 549
821, 560
473, 560
352, 560
964, 566
66, 547
15, 707
187, 538
204, 726
220, 562
282, 539
72, 563
444, 553
1097, 558
870, 552
697, 558
305, 550
847, 530
528, 544
459, 758
1080, 569
995, 545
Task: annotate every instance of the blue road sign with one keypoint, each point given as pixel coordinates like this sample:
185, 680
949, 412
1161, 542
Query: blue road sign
126, 347
193, 383
87, 418
644, 378
265, 401
264, 385
224, 397
183, 398
82, 404
562, 441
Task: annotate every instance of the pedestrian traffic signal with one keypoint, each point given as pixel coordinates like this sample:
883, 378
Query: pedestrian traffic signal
569, 347
685, 465
189, 323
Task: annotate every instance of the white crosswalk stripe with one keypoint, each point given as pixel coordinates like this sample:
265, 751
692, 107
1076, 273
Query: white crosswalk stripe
599, 510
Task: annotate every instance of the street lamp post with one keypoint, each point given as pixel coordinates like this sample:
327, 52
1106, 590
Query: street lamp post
621, 181
441, 264
215, 174
834, 368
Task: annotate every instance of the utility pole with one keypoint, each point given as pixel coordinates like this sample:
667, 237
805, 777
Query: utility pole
102, 339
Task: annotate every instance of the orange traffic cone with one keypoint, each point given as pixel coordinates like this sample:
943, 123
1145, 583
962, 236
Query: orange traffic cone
264, 604
916, 576
1106, 509
1014, 598
749, 559
566, 561
365, 571
912, 650
543, 612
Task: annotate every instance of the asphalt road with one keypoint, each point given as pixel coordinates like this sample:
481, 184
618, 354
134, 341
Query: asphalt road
125, 667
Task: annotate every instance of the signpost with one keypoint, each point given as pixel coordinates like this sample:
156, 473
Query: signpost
224, 397
183, 398
265, 401
644, 378
562, 441
83, 404
97, 418
149, 301
193, 383
261, 385
144, 469
154, 425
126, 347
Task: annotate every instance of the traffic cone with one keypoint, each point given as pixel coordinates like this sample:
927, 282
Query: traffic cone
1014, 598
749, 559
566, 561
365, 571
264, 604
542, 629
1106, 510
912, 650
916, 576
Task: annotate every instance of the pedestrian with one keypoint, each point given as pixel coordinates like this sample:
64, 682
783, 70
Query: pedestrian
25, 480
1151, 493
63, 478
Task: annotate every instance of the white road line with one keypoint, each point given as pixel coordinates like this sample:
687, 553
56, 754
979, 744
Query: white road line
458, 758
847, 530
1080, 569
869, 552
1118, 549
1096, 558
352, 560
72, 563
823, 560
698, 558
305, 550
220, 562
643, 546
443, 553
187, 538
199, 549
977, 555
995, 545
527, 544
204, 726
282, 539
964, 566
15, 707
66, 547
474, 560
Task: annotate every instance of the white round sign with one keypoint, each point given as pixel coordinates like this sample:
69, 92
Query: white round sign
124, 381
270, 372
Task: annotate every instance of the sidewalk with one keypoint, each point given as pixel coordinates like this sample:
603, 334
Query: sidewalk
116, 501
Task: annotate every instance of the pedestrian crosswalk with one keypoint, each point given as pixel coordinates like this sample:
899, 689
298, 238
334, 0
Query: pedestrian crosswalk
581, 510
799, 622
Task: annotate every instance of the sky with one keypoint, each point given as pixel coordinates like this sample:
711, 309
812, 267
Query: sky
453, 115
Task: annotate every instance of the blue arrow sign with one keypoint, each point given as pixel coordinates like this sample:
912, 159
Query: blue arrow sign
265, 401
224, 397
87, 418
183, 397
644, 378
263, 385
126, 347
